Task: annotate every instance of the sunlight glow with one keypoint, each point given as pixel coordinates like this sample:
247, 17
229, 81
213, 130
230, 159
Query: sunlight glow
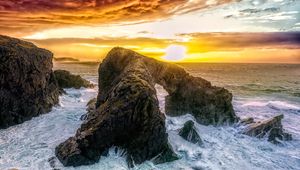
175, 53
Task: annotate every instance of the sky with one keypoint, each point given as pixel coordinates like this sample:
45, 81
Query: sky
231, 31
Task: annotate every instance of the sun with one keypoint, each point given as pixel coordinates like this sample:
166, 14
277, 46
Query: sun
175, 53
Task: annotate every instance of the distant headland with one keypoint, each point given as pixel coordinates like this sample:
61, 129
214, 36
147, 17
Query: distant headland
65, 59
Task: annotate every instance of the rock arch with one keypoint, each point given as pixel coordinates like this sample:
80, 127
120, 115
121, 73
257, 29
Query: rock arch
187, 94
127, 111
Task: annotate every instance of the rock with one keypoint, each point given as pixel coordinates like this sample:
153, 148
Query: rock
91, 108
127, 113
65, 59
27, 84
91, 105
67, 80
278, 133
187, 94
271, 128
189, 133
52, 163
129, 118
245, 121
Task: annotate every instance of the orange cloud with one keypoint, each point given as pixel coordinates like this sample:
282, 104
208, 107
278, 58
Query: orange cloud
21, 17
201, 47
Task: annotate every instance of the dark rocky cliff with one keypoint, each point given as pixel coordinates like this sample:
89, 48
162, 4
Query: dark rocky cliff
128, 118
127, 112
187, 94
27, 84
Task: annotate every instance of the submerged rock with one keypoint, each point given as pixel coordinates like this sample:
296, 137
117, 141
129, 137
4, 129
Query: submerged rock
128, 118
189, 133
27, 84
271, 128
67, 80
246, 121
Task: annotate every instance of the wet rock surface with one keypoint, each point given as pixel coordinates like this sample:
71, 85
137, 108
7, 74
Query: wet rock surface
90, 108
67, 80
270, 128
128, 118
91, 105
189, 133
127, 113
27, 84
187, 94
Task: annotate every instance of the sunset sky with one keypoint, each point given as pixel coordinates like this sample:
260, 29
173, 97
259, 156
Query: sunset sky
242, 31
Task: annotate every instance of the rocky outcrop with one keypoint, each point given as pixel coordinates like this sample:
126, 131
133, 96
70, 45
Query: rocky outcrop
187, 94
246, 121
189, 133
129, 118
270, 128
27, 83
127, 113
90, 108
91, 105
67, 80
65, 59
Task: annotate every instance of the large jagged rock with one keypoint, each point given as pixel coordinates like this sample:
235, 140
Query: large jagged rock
129, 118
127, 111
189, 133
27, 83
67, 80
271, 128
187, 94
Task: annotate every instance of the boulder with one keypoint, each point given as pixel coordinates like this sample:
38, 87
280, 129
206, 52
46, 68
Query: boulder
189, 133
67, 80
270, 128
27, 84
128, 118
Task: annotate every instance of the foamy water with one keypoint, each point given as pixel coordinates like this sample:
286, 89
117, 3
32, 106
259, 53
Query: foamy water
31, 145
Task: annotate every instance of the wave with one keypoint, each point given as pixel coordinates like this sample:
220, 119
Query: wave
279, 105
31, 145
262, 88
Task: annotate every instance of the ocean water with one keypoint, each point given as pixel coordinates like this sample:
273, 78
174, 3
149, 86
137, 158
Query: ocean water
260, 91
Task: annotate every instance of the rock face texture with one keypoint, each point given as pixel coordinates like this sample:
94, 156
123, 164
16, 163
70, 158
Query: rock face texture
129, 117
272, 128
91, 105
189, 133
90, 108
67, 80
27, 84
187, 94
127, 112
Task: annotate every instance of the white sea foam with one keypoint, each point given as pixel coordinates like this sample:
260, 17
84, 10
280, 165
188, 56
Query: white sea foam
29, 145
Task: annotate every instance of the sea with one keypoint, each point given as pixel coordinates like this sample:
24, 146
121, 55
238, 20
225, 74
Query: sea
259, 90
